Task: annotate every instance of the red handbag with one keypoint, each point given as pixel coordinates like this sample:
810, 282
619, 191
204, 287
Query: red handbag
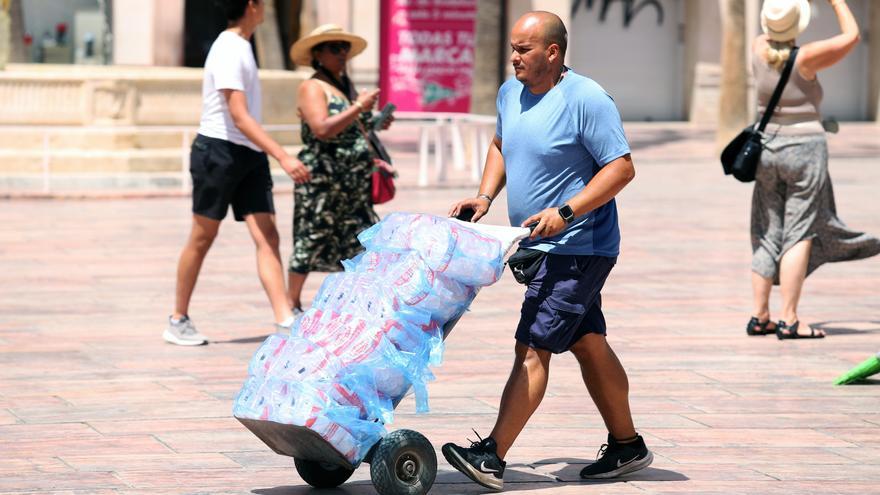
383, 181
383, 172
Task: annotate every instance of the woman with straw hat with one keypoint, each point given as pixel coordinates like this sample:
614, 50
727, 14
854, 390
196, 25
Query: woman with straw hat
336, 204
795, 228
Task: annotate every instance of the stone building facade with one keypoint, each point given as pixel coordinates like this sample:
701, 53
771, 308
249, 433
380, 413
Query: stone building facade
660, 59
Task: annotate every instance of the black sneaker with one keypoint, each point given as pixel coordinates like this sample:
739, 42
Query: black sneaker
480, 462
616, 459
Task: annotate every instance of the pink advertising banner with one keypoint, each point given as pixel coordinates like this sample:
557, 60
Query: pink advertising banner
427, 54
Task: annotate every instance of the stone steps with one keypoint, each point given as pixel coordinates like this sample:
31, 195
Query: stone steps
88, 138
91, 161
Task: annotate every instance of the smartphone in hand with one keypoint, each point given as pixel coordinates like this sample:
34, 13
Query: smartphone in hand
382, 116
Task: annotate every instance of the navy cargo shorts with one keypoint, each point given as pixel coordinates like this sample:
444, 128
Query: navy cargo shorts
563, 302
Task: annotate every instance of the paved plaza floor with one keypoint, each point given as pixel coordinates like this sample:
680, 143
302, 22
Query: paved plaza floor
93, 401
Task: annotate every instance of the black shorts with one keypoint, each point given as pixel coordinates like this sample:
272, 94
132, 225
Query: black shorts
225, 173
563, 302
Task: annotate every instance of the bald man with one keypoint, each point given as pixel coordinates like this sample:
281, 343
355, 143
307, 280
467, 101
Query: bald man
561, 150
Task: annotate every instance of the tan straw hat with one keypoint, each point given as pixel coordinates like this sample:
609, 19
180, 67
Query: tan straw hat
301, 51
784, 20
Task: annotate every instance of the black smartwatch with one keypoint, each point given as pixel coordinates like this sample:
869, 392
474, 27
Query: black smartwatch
566, 213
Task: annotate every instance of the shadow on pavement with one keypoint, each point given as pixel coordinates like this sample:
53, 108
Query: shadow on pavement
514, 480
865, 381
303, 489
572, 469
248, 340
847, 327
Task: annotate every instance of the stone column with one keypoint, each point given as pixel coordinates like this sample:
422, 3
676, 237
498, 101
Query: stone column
133, 32
288, 12
5, 33
487, 61
753, 28
733, 107
702, 37
364, 18
308, 17
268, 40
168, 33
148, 32
874, 66
19, 52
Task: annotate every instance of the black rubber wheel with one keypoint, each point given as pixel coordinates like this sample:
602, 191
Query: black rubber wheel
404, 463
322, 474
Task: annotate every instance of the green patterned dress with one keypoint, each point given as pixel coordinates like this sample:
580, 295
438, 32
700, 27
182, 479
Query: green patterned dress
336, 205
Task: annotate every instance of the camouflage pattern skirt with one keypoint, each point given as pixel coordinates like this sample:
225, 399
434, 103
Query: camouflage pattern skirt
327, 217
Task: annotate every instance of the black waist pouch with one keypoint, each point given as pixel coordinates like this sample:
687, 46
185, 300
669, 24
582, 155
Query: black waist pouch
524, 264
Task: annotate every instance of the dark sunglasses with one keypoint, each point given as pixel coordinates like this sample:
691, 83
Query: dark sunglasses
336, 47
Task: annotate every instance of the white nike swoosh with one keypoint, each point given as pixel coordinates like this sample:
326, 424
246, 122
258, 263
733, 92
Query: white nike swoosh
621, 464
484, 469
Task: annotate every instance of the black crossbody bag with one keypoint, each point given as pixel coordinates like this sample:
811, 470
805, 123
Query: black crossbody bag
741, 157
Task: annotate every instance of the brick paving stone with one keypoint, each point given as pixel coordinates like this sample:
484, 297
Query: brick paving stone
754, 456
868, 455
112, 463
260, 459
214, 441
61, 492
98, 446
33, 466
93, 401
160, 426
817, 420
808, 471
85, 482
773, 487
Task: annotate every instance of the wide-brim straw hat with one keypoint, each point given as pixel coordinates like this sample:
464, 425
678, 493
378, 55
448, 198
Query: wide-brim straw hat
784, 20
301, 51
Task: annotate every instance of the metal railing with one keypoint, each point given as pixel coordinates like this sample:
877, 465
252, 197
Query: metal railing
453, 126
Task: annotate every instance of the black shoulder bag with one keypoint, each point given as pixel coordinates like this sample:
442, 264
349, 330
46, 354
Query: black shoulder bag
742, 155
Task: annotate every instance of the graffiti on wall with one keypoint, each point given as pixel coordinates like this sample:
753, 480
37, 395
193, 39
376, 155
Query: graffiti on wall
631, 8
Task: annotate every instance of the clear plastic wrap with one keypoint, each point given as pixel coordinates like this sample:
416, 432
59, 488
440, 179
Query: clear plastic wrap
372, 333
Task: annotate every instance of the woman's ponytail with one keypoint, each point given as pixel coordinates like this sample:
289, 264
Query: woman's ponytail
778, 53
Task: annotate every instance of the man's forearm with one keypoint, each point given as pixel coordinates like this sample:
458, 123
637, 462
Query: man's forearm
494, 176
602, 188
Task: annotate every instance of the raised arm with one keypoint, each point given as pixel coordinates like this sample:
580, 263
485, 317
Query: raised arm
313, 109
819, 55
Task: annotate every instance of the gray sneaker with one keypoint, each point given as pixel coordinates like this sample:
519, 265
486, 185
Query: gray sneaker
282, 327
183, 333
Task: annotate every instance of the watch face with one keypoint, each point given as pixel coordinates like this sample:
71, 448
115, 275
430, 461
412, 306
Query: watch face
566, 212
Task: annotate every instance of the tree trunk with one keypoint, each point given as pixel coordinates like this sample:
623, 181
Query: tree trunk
734, 112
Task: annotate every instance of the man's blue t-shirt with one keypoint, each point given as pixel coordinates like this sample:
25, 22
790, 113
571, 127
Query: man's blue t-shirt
552, 145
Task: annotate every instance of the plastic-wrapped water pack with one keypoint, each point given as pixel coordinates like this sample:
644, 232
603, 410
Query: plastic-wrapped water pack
372, 333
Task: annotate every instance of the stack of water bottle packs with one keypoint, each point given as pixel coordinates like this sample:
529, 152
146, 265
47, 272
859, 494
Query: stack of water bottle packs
372, 332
